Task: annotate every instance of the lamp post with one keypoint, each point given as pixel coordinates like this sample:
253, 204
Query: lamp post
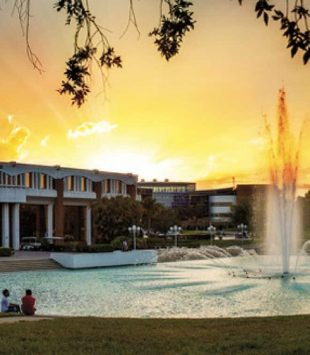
243, 228
134, 230
175, 230
211, 229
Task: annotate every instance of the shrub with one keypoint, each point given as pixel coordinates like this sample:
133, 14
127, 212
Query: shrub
156, 243
6, 251
96, 248
188, 243
70, 246
69, 238
102, 248
45, 245
117, 243
142, 243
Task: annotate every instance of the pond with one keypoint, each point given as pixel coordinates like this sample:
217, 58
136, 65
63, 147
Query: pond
185, 289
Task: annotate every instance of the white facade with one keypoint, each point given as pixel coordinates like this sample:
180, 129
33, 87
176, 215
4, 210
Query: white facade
116, 258
220, 207
54, 187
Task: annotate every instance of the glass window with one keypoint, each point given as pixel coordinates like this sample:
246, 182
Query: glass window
83, 183
119, 187
70, 183
28, 180
43, 181
108, 186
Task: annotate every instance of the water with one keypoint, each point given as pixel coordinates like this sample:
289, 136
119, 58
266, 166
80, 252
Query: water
187, 289
283, 221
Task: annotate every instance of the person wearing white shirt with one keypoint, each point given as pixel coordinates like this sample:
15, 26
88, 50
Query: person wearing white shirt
6, 306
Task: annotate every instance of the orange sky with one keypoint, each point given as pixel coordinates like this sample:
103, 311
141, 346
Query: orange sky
197, 118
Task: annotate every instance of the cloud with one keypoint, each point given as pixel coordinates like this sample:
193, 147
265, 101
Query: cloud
89, 128
12, 139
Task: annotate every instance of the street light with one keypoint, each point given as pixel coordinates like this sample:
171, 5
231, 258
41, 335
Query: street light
243, 228
134, 230
175, 230
211, 229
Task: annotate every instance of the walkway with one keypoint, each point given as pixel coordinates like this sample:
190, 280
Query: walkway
28, 261
27, 255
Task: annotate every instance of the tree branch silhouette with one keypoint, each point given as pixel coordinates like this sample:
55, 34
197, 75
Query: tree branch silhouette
176, 19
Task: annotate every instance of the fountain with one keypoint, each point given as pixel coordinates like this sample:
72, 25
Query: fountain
282, 222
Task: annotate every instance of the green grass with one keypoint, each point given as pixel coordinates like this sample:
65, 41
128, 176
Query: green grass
276, 335
194, 232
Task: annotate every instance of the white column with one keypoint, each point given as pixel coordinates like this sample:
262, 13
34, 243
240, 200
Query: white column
88, 225
49, 223
5, 225
16, 229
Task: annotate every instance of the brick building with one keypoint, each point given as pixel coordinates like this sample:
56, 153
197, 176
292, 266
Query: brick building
37, 200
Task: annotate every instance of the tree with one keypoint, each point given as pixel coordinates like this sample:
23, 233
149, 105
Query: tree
113, 216
150, 210
91, 45
164, 218
199, 210
241, 213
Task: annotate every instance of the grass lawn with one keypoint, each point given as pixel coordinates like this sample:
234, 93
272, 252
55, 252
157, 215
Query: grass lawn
276, 335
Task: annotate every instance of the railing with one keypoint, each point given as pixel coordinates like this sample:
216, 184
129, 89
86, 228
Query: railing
13, 186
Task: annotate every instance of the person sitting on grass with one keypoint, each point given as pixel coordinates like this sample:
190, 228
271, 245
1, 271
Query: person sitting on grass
28, 303
6, 306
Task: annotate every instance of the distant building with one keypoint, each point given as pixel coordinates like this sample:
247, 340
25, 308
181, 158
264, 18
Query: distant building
249, 192
216, 203
37, 200
168, 193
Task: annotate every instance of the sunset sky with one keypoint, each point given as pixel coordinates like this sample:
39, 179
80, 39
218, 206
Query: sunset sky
196, 118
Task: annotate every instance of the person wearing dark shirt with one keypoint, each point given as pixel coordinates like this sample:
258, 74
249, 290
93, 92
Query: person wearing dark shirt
28, 303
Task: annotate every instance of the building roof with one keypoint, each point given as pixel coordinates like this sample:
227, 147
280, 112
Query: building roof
164, 183
59, 172
221, 191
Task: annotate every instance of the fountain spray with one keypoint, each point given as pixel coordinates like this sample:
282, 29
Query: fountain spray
282, 216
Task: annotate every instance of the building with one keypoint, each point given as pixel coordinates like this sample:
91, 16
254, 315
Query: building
169, 193
37, 200
214, 204
217, 204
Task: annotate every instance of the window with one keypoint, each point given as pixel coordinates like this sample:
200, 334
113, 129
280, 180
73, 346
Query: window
108, 186
221, 214
119, 187
221, 204
70, 183
43, 181
28, 180
83, 183
7, 179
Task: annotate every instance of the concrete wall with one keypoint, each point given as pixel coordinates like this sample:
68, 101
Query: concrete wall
8, 195
116, 258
